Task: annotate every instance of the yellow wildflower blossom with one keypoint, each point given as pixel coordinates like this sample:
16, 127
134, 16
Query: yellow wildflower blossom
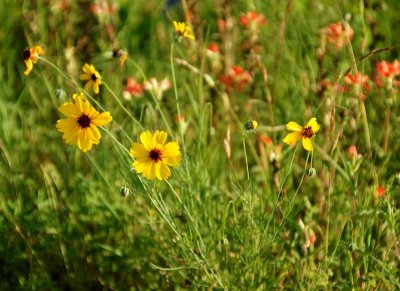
182, 30
302, 133
92, 77
30, 57
80, 127
153, 156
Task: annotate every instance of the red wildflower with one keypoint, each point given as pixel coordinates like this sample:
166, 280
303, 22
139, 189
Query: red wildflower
358, 79
236, 77
380, 191
265, 139
252, 18
386, 73
338, 34
133, 88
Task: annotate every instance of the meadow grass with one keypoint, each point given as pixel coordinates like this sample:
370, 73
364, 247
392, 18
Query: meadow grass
243, 210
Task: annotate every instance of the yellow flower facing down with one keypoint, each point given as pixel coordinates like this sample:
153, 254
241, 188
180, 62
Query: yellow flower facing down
80, 127
122, 55
92, 77
30, 57
182, 30
302, 133
250, 125
153, 157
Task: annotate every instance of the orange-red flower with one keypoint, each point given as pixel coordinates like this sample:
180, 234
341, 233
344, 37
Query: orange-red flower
338, 34
252, 19
133, 88
358, 79
386, 72
380, 191
237, 77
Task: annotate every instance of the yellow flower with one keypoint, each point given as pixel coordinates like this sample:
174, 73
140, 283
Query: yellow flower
123, 56
251, 125
302, 133
92, 77
153, 156
81, 125
182, 30
30, 57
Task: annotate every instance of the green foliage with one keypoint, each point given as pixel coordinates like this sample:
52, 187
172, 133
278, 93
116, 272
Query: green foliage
73, 220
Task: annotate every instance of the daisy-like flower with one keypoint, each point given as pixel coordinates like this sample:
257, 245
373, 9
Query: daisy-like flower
92, 77
30, 57
182, 30
153, 156
302, 133
81, 125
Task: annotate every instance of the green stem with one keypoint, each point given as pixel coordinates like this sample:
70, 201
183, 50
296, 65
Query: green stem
245, 157
177, 103
122, 106
155, 99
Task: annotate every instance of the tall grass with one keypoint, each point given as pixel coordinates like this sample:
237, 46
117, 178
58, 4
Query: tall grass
240, 212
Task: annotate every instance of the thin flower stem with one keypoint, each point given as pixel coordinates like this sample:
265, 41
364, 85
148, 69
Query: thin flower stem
121, 105
298, 187
177, 104
59, 71
245, 156
113, 137
280, 192
155, 99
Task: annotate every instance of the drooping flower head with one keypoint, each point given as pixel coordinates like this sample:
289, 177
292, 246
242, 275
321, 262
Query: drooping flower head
250, 125
153, 157
80, 127
121, 55
182, 30
30, 57
302, 133
92, 77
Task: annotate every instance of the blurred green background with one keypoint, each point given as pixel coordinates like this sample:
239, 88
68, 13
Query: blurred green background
63, 221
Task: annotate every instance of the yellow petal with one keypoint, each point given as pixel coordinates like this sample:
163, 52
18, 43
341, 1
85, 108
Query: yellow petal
160, 137
102, 119
95, 133
29, 67
88, 69
96, 87
138, 151
293, 126
85, 77
175, 25
164, 171
307, 144
157, 171
147, 140
70, 110
172, 154
292, 137
88, 84
314, 124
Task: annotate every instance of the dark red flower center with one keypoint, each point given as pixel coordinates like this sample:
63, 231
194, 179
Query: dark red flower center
84, 121
308, 132
156, 155
26, 54
93, 77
